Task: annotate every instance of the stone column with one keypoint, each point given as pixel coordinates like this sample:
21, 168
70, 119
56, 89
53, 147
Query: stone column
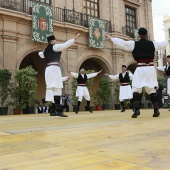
71, 65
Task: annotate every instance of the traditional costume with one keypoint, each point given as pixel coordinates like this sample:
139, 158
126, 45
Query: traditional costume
125, 91
53, 77
82, 90
166, 68
145, 74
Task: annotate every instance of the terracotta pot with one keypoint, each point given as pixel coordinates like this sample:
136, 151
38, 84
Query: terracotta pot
98, 107
17, 111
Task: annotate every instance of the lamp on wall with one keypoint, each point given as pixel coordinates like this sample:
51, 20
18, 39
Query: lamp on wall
73, 5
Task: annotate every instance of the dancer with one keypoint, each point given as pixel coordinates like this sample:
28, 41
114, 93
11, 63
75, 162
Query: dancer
143, 52
53, 77
125, 91
82, 90
166, 69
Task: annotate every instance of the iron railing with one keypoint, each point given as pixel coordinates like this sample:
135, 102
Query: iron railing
59, 14
129, 31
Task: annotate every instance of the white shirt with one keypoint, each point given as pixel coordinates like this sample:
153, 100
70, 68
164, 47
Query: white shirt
130, 45
75, 75
116, 77
59, 47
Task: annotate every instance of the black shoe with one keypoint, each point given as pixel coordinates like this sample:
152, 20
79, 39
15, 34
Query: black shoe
61, 114
136, 114
76, 110
53, 114
123, 110
90, 110
156, 113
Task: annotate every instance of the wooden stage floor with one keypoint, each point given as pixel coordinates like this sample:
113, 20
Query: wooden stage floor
103, 140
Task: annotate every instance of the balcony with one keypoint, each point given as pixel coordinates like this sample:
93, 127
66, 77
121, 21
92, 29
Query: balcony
59, 14
129, 31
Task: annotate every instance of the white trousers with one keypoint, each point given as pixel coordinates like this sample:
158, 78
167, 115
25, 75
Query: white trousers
144, 76
168, 86
82, 91
54, 83
125, 93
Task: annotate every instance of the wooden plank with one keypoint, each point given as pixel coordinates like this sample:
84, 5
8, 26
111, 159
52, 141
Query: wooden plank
87, 141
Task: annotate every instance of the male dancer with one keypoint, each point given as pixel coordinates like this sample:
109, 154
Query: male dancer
53, 77
166, 68
125, 91
82, 90
143, 52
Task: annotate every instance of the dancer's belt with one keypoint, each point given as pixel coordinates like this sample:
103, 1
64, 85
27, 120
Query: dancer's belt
53, 64
144, 64
81, 84
124, 84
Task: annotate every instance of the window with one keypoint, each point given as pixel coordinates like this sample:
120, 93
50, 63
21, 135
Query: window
92, 7
42, 1
130, 14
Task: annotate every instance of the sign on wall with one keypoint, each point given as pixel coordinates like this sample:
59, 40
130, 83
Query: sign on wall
96, 32
42, 22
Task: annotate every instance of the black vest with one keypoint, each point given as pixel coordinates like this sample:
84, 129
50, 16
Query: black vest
125, 79
144, 49
40, 109
44, 109
81, 80
51, 55
167, 71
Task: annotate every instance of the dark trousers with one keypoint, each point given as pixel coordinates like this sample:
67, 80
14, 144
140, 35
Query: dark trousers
65, 107
160, 104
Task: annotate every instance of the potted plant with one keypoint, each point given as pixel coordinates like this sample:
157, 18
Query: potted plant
103, 94
27, 81
97, 100
116, 84
5, 77
15, 95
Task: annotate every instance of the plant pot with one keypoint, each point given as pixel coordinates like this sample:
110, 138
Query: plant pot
142, 106
98, 107
28, 110
117, 106
17, 111
105, 106
3, 110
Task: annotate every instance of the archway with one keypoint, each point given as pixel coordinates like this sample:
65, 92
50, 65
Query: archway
39, 65
95, 64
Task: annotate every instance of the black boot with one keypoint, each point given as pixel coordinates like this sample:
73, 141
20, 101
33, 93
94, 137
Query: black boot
77, 107
132, 106
123, 106
136, 113
58, 107
136, 103
154, 100
53, 110
59, 112
89, 108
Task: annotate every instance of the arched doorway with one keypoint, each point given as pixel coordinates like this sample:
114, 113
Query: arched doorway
39, 65
95, 64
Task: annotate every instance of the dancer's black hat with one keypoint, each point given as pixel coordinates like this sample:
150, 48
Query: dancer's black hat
142, 31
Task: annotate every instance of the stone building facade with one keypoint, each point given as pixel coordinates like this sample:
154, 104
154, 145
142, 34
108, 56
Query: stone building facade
17, 50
